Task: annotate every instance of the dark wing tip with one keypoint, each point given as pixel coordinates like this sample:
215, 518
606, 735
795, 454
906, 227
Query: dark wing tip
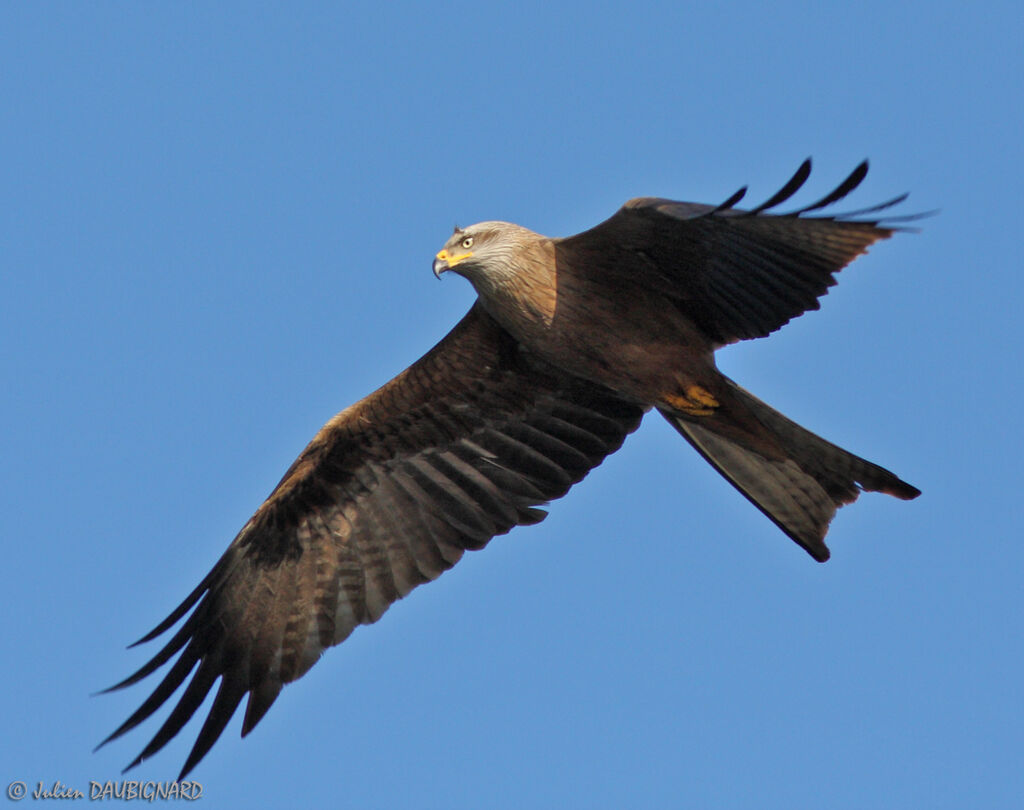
855, 178
792, 186
729, 203
233, 688
181, 609
869, 210
848, 185
230, 694
887, 221
903, 491
261, 698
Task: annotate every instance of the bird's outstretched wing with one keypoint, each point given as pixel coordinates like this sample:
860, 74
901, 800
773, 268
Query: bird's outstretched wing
737, 273
460, 447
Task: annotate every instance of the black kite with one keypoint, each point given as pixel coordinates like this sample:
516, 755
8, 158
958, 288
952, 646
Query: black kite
570, 342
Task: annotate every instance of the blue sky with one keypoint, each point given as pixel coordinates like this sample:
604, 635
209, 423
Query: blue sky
216, 229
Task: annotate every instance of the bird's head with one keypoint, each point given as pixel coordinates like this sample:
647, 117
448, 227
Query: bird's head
483, 252
458, 249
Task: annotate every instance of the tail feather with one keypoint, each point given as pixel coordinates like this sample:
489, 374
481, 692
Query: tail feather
800, 486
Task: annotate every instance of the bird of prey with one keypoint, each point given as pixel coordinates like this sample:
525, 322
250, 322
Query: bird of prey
569, 343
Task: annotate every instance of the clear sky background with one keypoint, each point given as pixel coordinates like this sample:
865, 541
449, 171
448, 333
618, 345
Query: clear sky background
216, 229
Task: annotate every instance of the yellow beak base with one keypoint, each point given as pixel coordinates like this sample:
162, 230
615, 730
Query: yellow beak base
453, 259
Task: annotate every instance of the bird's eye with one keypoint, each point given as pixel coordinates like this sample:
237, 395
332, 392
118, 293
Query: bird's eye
467, 243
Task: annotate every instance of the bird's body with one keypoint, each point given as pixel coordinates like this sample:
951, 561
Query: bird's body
550, 304
570, 342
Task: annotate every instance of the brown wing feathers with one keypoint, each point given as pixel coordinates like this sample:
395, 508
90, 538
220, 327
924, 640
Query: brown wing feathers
761, 273
738, 274
462, 446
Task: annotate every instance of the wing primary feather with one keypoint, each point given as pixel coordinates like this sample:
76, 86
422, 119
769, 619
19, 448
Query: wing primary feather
421, 540
872, 209
176, 643
885, 222
229, 695
334, 595
328, 587
787, 191
261, 698
193, 696
184, 607
402, 523
789, 265
172, 680
840, 191
729, 203
292, 588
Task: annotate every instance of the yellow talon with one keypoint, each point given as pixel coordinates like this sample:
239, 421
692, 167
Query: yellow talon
702, 396
696, 401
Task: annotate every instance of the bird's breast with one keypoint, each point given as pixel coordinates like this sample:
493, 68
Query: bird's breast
626, 338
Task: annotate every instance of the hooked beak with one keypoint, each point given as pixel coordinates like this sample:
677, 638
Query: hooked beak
445, 261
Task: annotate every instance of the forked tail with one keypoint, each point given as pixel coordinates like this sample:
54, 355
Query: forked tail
796, 478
